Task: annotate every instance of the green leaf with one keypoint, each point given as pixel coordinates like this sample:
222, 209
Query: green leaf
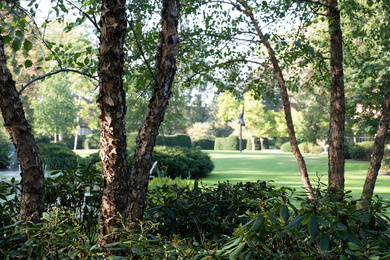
15, 45
284, 213
28, 63
284, 43
249, 256
259, 221
27, 45
309, 48
237, 251
353, 246
136, 251
86, 61
295, 222
324, 242
18, 33
298, 44
266, 37
72, 254
1, 5
6, 39
313, 226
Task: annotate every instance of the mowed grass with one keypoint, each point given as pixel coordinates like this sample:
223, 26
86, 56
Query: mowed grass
282, 168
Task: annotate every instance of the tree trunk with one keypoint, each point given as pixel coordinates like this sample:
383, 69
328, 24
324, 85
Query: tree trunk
112, 105
377, 155
337, 102
146, 139
33, 178
286, 102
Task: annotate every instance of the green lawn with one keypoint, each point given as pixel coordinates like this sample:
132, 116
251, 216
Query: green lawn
85, 153
283, 169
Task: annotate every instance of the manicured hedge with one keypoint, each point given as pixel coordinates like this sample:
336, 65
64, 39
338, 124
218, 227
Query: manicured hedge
257, 144
181, 140
204, 143
231, 143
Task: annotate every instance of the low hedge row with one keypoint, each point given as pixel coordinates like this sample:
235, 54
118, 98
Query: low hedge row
231, 143
181, 140
203, 143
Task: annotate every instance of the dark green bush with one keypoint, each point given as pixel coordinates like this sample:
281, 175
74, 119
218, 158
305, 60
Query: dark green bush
180, 140
57, 155
204, 143
4, 152
91, 159
179, 162
204, 213
257, 144
286, 147
182, 162
368, 150
323, 228
265, 143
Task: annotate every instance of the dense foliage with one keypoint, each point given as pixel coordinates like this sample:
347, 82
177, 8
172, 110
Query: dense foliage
57, 155
286, 147
180, 140
182, 221
312, 148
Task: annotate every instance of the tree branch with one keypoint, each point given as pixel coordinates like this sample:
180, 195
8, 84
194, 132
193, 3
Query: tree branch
93, 21
141, 50
53, 73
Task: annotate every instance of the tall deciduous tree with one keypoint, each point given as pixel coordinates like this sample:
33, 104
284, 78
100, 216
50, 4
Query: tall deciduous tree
337, 101
112, 105
377, 155
33, 182
165, 70
247, 10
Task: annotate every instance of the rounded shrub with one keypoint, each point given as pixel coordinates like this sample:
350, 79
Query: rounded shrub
204, 143
92, 141
368, 149
286, 147
56, 155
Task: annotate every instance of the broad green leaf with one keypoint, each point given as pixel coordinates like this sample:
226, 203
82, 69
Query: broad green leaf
249, 256
313, 226
15, 45
324, 242
298, 44
309, 48
86, 61
259, 221
283, 43
266, 37
237, 251
295, 222
18, 33
284, 213
27, 45
353, 246
6, 39
28, 63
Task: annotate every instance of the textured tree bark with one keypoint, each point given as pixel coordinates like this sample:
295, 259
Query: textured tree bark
377, 155
337, 102
112, 106
33, 179
162, 89
286, 103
